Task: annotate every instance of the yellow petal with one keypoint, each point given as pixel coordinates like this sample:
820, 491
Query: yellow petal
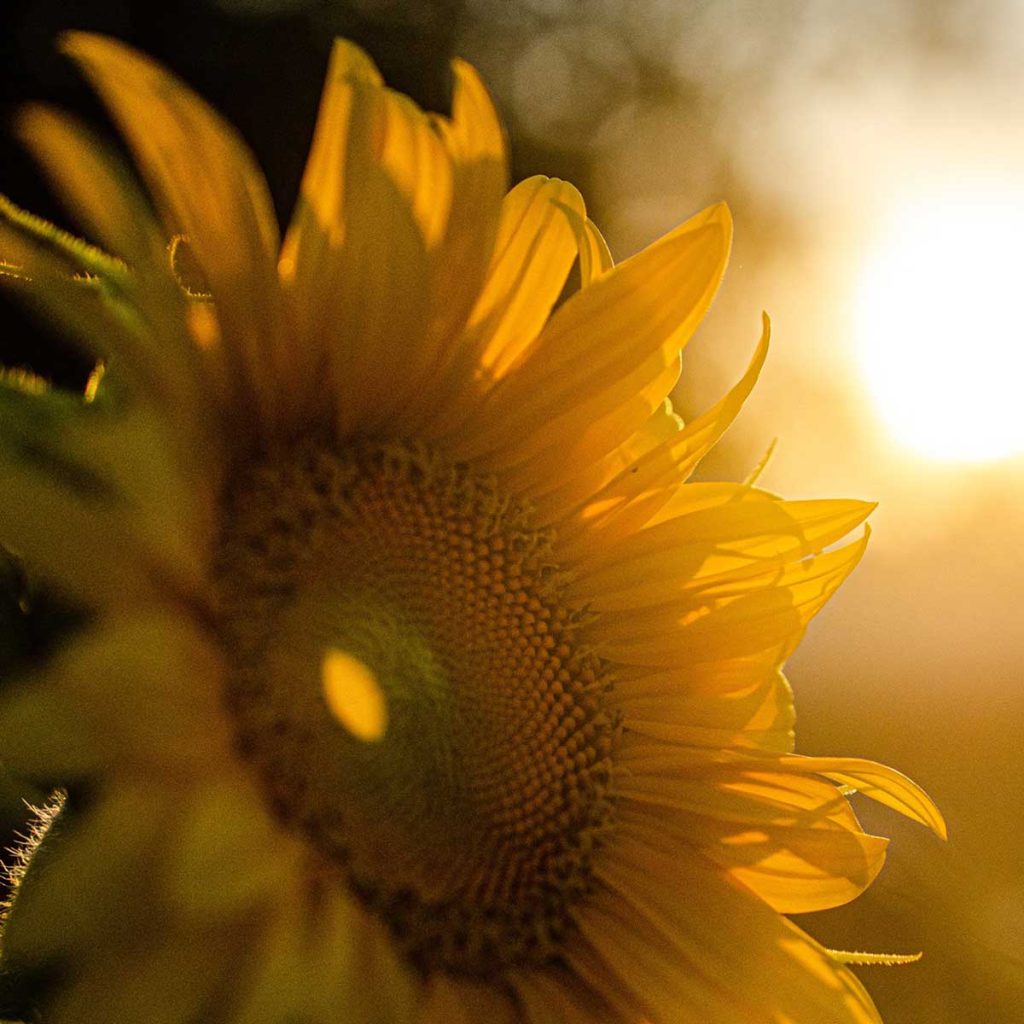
475, 142
794, 867
304, 967
712, 546
418, 164
139, 692
376, 200
645, 309
318, 222
733, 620
457, 173
355, 261
655, 771
797, 871
381, 287
697, 495
208, 188
595, 256
532, 257
758, 715
101, 194
705, 680
750, 789
878, 782
752, 965
586, 432
641, 490
557, 505
227, 856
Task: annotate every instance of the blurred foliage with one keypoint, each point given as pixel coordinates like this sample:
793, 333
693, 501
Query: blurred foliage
32, 622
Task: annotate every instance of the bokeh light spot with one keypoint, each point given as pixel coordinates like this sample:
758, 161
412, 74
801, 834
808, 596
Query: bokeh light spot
354, 696
938, 324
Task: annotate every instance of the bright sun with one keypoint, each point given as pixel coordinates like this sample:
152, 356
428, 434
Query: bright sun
939, 325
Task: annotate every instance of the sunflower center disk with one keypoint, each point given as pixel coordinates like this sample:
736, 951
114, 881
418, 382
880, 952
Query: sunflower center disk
468, 826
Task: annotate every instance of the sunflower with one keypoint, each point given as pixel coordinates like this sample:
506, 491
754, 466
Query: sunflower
409, 680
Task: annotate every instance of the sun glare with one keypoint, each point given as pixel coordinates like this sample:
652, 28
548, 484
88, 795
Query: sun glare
939, 325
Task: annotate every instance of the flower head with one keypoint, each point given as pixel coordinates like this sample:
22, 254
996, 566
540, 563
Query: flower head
414, 680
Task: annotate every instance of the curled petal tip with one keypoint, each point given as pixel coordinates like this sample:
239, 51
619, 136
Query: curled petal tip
77, 44
349, 61
721, 213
